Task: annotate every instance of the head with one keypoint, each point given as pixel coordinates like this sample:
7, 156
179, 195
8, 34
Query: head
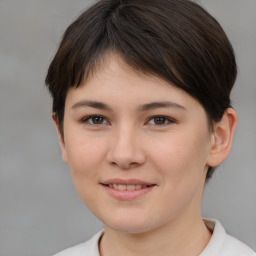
175, 40
141, 103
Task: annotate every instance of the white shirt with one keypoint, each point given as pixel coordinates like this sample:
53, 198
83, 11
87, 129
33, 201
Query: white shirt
220, 244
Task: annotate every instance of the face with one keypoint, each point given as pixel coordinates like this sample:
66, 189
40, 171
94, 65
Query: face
137, 148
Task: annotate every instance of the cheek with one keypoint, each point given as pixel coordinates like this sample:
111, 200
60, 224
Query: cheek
85, 158
84, 155
181, 157
180, 162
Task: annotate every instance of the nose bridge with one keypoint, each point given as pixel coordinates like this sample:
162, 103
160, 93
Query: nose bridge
125, 149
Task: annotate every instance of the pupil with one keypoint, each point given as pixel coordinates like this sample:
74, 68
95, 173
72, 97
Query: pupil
159, 120
97, 120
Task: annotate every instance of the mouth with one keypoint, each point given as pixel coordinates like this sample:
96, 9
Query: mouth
127, 189
123, 187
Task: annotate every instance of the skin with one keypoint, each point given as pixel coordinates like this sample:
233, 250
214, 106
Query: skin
125, 142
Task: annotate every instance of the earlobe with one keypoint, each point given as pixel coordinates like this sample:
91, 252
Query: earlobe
221, 139
61, 138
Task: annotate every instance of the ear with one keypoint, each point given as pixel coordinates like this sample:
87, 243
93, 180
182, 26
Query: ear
61, 138
221, 138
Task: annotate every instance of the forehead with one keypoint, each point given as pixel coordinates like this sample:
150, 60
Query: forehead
117, 88
113, 77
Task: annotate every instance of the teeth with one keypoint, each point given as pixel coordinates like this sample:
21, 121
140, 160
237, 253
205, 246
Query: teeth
130, 187
121, 187
126, 187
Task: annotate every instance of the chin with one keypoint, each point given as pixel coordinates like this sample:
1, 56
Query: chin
129, 228
130, 224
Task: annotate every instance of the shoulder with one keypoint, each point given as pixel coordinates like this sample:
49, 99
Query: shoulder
233, 247
89, 248
222, 244
72, 251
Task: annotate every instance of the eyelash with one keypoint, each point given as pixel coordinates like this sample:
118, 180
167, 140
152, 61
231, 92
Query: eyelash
86, 119
166, 120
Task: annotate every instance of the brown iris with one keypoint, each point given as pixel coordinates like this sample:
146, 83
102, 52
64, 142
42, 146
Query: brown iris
160, 120
97, 119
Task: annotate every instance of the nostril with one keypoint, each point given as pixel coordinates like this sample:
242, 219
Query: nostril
125, 165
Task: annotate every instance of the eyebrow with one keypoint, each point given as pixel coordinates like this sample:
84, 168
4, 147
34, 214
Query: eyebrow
92, 104
161, 104
141, 108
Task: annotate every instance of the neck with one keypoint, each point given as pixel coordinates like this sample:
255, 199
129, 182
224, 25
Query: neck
186, 239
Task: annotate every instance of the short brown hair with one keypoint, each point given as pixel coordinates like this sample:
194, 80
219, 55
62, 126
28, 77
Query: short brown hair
176, 40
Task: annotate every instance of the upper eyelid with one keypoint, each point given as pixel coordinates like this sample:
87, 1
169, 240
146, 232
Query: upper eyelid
166, 117
170, 119
86, 118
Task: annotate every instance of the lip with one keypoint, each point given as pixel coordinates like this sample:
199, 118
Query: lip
127, 182
127, 195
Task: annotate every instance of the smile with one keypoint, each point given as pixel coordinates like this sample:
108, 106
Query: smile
127, 189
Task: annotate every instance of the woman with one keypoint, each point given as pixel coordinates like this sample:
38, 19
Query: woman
141, 102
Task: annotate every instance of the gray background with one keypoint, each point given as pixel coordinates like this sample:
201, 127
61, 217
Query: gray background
40, 212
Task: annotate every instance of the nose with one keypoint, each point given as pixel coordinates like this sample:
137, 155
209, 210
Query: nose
125, 150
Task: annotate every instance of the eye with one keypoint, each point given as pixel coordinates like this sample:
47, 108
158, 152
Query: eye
160, 120
95, 120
